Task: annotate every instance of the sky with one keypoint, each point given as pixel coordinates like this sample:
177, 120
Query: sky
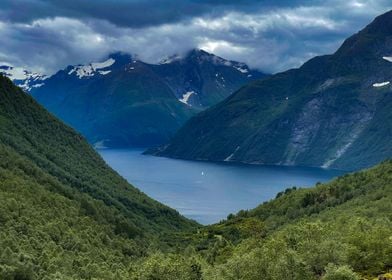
270, 35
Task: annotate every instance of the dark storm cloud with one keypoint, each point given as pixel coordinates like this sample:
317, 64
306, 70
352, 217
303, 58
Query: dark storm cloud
130, 13
270, 35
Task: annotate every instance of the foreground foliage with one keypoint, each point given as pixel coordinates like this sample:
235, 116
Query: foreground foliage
63, 211
341, 228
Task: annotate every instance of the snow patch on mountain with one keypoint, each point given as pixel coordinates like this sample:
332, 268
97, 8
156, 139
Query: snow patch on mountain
92, 68
105, 64
381, 84
37, 85
14, 73
170, 59
22, 77
242, 69
18, 73
104, 72
387, 58
186, 96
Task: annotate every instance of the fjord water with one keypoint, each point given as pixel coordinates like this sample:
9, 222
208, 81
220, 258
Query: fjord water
207, 192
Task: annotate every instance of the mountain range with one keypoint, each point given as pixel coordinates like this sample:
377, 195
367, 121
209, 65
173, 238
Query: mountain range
64, 214
124, 102
334, 111
23, 78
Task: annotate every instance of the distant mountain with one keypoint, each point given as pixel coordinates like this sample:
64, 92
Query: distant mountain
124, 102
201, 79
23, 78
334, 111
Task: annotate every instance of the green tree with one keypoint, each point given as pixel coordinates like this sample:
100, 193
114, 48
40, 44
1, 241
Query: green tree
333, 272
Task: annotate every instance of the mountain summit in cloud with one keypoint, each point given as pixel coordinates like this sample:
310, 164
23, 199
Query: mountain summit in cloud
122, 101
23, 78
333, 112
271, 36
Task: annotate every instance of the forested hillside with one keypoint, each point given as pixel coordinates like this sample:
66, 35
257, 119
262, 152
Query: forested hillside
338, 230
63, 211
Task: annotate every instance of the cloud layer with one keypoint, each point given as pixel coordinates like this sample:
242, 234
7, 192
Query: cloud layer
47, 35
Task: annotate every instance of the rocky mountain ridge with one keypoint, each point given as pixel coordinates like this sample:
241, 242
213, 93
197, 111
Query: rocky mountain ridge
334, 111
125, 102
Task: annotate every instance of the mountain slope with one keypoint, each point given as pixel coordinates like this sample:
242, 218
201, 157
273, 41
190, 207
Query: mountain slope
203, 78
63, 211
125, 102
334, 111
340, 228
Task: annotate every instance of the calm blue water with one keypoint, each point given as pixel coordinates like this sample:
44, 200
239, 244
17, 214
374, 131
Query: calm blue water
208, 192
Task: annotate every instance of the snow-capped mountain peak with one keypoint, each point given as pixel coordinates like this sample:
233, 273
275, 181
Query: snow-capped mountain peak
170, 59
92, 69
22, 77
243, 68
185, 97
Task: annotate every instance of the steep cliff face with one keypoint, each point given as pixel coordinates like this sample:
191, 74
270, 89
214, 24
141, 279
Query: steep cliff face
334, 111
